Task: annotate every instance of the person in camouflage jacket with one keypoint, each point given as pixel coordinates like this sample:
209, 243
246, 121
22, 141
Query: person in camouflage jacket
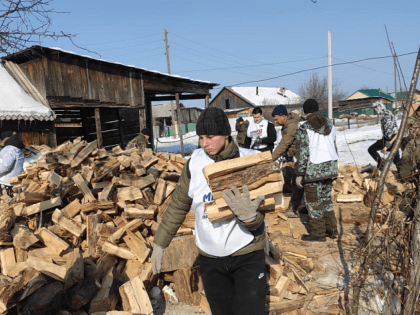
389, 129
141, 141
411, 151
316, 166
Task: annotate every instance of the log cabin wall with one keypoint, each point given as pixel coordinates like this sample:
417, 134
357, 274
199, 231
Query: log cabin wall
31, 132
118, 125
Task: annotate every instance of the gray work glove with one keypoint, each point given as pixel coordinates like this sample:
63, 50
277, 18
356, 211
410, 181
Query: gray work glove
156, 258
299, 182
388, 144
275, 166
241, 205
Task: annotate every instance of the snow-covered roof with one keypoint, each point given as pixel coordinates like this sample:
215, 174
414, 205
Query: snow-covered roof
16, 104
261, 96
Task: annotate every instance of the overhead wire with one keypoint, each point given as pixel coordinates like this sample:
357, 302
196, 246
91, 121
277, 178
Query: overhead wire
321, 67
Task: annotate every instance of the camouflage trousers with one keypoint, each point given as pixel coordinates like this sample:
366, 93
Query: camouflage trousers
318, 198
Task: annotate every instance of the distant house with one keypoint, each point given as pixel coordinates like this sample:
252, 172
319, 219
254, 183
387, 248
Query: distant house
240, 101
361, 101
401, 98
162, 114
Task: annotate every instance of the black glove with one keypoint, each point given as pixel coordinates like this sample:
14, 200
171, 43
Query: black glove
257, 142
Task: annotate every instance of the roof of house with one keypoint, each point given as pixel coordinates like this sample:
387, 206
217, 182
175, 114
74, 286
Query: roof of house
16, 104
377, 93
265, 96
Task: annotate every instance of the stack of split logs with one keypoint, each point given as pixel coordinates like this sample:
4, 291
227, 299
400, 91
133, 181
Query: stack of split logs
356, 185
77, 234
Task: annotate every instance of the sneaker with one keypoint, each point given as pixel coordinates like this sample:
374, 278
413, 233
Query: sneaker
311, 238
291, 212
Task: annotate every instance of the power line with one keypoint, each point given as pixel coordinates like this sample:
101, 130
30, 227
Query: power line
172, 55
123, 40
253, 66
321, 67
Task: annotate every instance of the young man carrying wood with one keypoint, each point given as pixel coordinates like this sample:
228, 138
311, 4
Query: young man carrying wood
286, 148
315, 168
232, 259
261, 133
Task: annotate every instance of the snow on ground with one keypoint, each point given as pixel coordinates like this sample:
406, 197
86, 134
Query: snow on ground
352, 143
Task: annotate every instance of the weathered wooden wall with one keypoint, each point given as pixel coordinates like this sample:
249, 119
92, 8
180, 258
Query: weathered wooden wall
118, 125
30, 132
78, 80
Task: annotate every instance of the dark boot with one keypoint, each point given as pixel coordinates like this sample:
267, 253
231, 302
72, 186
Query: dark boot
303, 209
330, 224
317, 231
292, 212
310, 238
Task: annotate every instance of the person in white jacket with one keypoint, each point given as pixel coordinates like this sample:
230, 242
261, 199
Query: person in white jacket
11, 159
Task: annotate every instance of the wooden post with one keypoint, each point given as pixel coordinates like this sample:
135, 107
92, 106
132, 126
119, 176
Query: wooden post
121, 127
85, 125
98, 127
206, 104
52, 137
179, 121
149, 120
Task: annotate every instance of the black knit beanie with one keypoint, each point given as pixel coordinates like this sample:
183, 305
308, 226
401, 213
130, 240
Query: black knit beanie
15, 141
146, 132
310, 106
213, 122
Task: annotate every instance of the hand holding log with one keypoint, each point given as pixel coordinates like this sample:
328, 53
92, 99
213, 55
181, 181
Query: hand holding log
241, 205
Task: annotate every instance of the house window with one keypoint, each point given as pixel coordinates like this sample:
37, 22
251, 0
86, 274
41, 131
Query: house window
227, 103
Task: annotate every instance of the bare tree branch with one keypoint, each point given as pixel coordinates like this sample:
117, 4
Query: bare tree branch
317, 88
24, 23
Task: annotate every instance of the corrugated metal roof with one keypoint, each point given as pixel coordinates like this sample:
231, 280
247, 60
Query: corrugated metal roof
16, 104
377, 93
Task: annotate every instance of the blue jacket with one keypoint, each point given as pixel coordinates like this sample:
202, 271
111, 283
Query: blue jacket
11, 163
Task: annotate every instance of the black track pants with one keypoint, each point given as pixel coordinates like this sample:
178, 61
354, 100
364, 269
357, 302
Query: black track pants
235, 285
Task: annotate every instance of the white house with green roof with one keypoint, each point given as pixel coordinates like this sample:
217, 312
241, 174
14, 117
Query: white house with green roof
361, 101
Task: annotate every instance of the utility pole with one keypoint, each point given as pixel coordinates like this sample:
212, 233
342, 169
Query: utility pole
174, 118
329, 77
395, 80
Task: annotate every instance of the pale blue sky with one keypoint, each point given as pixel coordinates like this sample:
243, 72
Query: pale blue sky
230, 42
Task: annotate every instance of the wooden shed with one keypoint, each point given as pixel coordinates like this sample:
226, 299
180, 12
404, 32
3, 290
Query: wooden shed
96, 99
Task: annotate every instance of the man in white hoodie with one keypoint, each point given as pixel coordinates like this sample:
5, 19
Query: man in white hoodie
315, 169
261, 133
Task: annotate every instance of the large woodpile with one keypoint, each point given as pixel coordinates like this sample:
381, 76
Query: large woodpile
77, 235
